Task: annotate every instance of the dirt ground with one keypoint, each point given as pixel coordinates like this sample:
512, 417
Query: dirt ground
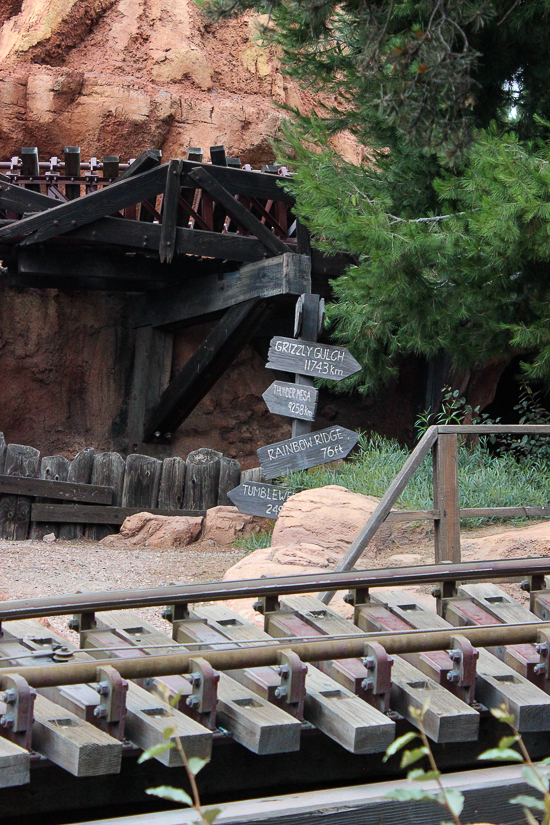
37, 568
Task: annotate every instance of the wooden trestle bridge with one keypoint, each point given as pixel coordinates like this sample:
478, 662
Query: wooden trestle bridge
188, 241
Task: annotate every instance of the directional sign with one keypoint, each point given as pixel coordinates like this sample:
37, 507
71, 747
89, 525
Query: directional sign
306, 451
259, 499
294, 400
308, 358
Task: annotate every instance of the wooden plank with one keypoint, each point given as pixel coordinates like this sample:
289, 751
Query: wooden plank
496, 682
495, 429
368, 531
283, 275
172, 482
151, 374
111, 165
309, 310
144, 163
72, 170
167, 247
141, 481
63, 490
2, 452
292, 400
259, 499
80, 472
75, 745
309, 358
52, 468
30, 167
203, 478
67, 264
345, 718
85, 210
88, 514
447, 719
495, 601
15, 763
108, 470
445, 486
412, 515
206, 365
230, 475
237, 211
308, 450
21, 462
239, 181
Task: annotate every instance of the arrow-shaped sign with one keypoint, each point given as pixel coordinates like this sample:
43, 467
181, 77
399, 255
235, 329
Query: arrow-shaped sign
259, 499
306, 451
293, 400
308, 358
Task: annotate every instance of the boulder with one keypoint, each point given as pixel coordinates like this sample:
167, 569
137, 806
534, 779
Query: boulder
145, 529
329, 517
514, 543
224, 524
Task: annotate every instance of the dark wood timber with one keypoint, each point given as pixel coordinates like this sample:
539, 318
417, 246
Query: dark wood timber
286, 274
2, 452
237, 211
23, 200
30, 167
10, 482
203, 478
239, 181
87, 209
52, 468
141, 481
152, 365
20, 465
306, 357
291, 400
111, 164
217, 155
167, 247
307, 450
70, 266
172, 482
72, 170
98, 515
230, 474
445, 484
206, 365
259, 499
309, 330
108, 470
80, 472
146, 161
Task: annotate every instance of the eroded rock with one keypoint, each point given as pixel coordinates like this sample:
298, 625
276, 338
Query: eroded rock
156, 531
225, 524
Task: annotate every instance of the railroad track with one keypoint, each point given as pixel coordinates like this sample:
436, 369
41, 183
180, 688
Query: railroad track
311, 698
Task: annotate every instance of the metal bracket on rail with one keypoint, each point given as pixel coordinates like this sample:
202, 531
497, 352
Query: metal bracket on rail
175, 613
267, 604
292, 690
463, 674
441, 592
377, 685
17, 717
82, 621
110, 713
543, 649
201, 703
531, 585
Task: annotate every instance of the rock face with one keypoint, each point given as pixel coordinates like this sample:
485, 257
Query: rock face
156, 531
225, 524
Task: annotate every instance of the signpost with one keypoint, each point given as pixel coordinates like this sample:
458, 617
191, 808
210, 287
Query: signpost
309, 358
259, 499
292, 400
306, 450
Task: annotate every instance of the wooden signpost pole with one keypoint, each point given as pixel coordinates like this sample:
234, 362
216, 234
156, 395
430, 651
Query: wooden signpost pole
308, 331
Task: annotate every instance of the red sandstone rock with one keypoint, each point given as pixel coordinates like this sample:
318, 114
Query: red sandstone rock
156, 531
225, 524
328, 516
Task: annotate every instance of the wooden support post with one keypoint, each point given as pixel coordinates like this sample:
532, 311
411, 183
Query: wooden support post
203, 478
170, 211
31, 169
72, 170
52, 468
2, 452
309, 331
108, 469
172, 482
445, 483
80, 472
15, 511
230, 476
152, 365
111, 164
141, 481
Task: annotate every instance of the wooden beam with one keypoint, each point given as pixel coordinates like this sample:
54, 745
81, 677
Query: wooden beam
286, 274
167, 248
15, 763
23, 200
72, 169
85, 210
238, 212
94, 514
151, 374
206, 365
146, 161
66, 490
445, 496
69, 265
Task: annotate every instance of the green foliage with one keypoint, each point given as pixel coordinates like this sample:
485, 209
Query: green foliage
485, 479
255, 541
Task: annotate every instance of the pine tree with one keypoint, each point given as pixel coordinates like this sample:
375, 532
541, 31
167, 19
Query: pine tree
449, 219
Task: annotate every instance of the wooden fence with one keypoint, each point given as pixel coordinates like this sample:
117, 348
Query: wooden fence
95, 492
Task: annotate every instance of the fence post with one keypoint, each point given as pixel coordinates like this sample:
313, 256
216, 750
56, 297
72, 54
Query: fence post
445, 481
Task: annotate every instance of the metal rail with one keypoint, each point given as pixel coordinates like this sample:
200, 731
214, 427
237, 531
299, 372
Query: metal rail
414, 641
280, 586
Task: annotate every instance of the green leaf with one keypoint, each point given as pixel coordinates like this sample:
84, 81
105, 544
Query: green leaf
538, 781
501, 755
196, 764
167, 732
419, 775
503, 715
155, 750
507, 742
410, 757
173, 794
399, 743
528, 802
212, 814
452, 799
410, 794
